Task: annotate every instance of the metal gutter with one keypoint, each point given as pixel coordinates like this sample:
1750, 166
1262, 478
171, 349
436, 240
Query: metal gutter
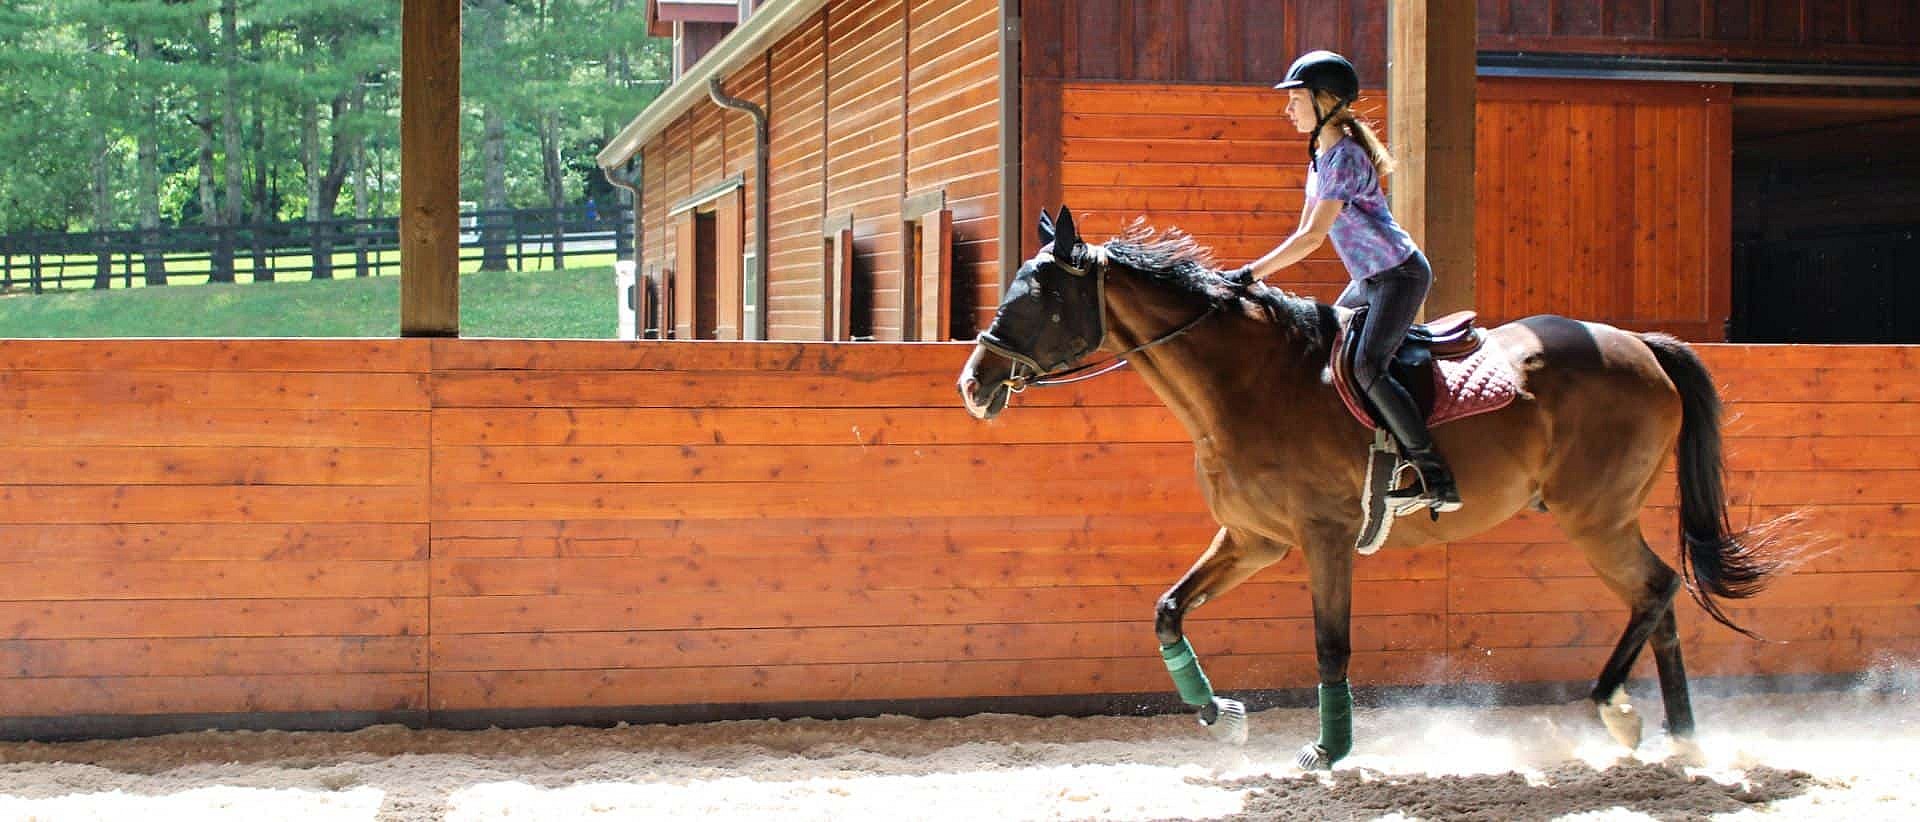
765, 27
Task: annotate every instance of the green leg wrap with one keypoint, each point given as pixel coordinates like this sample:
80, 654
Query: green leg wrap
1187, 676
1336, 720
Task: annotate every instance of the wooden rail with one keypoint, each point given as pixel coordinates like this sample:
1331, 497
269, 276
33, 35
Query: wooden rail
278, 532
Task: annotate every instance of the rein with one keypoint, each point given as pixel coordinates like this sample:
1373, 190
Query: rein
1018, 382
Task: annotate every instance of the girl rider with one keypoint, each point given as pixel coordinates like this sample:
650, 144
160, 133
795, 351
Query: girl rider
1389, 274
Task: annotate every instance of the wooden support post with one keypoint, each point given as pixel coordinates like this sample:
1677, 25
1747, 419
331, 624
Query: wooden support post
430, 168
1430, 113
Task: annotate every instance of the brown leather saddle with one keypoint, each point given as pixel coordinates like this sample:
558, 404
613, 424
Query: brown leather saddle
1451, 337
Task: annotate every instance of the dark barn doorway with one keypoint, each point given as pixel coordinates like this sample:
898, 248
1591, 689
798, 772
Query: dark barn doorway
1826, 218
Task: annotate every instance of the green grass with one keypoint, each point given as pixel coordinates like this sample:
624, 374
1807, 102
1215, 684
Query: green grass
575, 303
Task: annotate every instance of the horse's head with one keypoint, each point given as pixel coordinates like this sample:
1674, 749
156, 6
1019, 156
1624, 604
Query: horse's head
1050, 319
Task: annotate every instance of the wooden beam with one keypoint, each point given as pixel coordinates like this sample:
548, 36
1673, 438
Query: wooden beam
1430, 104
430, 168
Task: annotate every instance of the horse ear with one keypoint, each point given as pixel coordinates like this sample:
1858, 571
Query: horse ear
1046, 227
1063, 231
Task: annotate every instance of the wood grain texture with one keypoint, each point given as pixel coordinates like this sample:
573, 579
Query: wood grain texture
1607, 203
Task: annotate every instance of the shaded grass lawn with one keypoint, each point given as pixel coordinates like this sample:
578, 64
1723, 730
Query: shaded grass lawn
576, 303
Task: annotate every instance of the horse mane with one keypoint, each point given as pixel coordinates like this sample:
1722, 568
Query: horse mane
1174, 258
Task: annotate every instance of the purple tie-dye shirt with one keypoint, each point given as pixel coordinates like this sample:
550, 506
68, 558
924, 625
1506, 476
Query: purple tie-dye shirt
1365, 235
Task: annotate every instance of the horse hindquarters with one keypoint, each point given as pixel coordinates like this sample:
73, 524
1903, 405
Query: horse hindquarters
1614, 426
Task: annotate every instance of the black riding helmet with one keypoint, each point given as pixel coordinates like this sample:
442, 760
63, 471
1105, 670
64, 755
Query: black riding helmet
1322, 71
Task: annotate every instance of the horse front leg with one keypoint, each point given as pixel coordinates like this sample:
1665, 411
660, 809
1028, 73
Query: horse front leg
1229, 561
1330, 573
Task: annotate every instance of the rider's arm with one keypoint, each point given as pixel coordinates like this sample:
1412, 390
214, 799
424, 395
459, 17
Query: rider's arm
1313, 229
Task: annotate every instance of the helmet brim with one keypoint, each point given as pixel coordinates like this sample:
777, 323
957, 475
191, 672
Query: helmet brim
1290, 84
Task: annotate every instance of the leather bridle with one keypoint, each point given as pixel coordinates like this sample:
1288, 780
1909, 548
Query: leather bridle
1063, 372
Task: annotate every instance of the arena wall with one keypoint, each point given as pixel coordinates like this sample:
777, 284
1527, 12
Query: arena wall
329, 533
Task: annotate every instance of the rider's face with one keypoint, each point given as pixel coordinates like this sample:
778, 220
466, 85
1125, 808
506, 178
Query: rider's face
1300, 109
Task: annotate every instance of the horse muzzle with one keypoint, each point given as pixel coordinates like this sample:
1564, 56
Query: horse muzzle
986, 383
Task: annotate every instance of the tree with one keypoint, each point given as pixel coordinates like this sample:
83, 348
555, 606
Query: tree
154, 113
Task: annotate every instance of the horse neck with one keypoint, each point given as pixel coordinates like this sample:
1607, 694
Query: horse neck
1227, 367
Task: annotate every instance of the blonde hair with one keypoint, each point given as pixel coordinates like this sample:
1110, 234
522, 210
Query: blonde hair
1361, 130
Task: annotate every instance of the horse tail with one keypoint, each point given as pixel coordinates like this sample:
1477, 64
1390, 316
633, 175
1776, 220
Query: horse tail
1717, 561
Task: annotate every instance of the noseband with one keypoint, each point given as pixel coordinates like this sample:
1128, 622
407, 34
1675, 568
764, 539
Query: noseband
1018, 382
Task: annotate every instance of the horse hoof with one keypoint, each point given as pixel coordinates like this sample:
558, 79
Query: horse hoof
1621, 719
1229, 720
1688, 752
1314, 758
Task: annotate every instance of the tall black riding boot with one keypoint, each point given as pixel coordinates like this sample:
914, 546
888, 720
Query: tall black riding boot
1436, 486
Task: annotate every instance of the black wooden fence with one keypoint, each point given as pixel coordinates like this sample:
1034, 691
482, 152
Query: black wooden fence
517, 240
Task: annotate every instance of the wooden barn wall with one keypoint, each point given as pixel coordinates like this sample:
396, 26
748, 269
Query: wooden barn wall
213, 527
866, 148
1252, 41
871, 102
1603, 201
796, 125
425, 528
953, 142
1219, 162
1212, 41
1606, 201
1872, 31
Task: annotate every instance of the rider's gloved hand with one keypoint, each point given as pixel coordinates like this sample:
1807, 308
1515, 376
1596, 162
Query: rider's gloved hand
1239, 276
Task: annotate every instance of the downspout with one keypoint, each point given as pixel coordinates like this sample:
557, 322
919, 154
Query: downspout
756, 284
631, 184
1010, 188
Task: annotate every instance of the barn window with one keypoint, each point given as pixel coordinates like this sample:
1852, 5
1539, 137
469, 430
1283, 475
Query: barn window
709, 284
929, 268
844, 312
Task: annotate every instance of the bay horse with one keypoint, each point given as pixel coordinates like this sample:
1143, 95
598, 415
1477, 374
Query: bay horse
1280, 462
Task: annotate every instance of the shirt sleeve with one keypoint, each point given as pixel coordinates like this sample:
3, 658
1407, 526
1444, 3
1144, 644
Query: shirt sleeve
1342, 175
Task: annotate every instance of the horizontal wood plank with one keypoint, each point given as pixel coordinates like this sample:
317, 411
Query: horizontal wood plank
454, 690
111, 619
668, 650
194, 465
147, 542
826, 426
210, 503
122, 355
134, 695
211, 656
126, 392
954, 606
209, 579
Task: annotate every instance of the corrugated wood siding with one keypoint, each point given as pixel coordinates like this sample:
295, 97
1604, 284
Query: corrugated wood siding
1795, 30
213, 526
707, 153
866, 69
1219, 162
797, 123
1209, 41
1606, 201
617, 524
953, 140
844, 88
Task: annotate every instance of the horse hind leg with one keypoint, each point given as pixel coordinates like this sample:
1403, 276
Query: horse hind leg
1648, 586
